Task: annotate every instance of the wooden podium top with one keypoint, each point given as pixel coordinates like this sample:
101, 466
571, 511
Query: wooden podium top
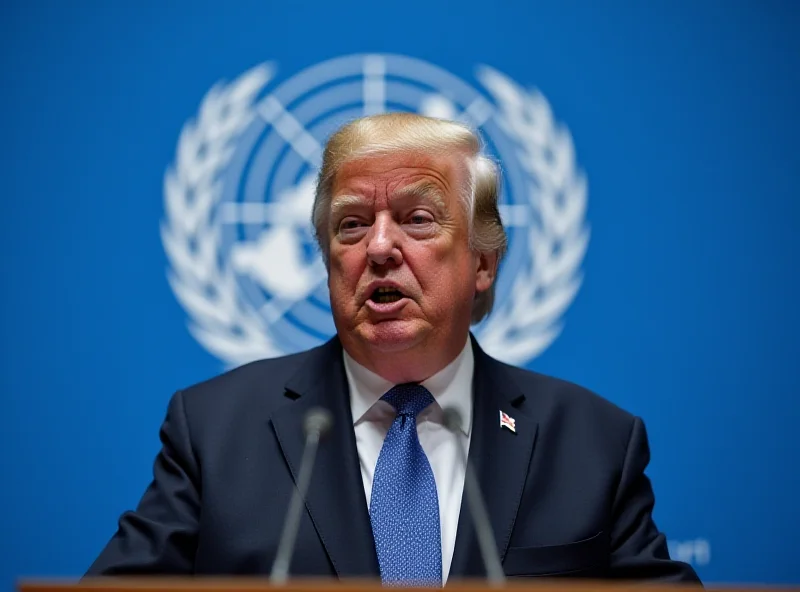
249, 584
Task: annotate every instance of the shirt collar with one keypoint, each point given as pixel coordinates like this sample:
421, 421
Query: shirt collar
450, 387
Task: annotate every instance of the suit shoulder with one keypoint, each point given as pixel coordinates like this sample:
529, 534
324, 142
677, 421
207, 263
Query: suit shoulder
563, 397
264, 379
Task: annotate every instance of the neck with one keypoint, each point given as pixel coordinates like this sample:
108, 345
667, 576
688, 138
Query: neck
414, 365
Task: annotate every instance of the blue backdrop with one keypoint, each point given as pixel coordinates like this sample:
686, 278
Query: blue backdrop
684, 120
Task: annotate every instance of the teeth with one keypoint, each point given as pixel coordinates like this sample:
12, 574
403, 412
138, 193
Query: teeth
383, 297
386, 294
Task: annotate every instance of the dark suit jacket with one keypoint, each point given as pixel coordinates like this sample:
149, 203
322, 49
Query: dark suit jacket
566, 493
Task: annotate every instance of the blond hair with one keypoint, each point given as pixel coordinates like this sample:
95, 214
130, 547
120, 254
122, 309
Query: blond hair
393, 133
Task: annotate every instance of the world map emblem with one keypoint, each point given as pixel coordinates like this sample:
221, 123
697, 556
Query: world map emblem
236, 228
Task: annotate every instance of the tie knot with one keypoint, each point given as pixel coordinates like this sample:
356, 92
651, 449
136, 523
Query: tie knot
408, 399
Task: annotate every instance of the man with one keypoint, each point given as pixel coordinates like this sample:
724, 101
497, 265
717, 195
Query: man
407, 221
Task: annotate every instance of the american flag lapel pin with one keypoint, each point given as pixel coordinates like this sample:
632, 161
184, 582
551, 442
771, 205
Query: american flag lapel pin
506, 421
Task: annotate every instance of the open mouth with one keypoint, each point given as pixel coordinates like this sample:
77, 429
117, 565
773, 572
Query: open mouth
386, 295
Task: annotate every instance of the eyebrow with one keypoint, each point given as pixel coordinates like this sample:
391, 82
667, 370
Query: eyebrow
421, 189
342, 202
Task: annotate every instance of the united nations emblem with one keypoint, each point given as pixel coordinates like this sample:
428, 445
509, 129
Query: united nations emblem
237, 202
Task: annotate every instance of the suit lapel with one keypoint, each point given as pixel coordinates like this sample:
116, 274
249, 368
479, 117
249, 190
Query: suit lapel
500, 459
336, 501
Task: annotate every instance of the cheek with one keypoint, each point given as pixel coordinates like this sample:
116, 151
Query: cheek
442, 271
345, 271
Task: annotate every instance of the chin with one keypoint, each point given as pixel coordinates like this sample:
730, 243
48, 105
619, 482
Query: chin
392, 336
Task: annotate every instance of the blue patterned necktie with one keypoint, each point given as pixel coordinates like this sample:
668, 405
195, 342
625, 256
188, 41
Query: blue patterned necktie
404, 506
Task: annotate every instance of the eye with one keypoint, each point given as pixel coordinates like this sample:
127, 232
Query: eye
351, 224
420, 217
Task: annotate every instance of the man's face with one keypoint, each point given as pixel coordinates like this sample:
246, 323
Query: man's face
402, 276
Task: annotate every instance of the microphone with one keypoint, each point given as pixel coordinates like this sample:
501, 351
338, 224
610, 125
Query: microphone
316, 424
477, 507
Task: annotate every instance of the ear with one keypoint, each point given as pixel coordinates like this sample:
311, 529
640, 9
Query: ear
486, 271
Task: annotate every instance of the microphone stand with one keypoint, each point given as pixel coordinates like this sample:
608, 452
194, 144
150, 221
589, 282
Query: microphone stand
316, 424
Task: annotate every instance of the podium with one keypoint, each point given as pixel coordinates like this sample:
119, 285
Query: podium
249, 584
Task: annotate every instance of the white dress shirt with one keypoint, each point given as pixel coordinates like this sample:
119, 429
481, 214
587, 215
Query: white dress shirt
372, 418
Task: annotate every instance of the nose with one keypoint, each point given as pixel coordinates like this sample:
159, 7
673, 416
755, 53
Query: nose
383, 242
